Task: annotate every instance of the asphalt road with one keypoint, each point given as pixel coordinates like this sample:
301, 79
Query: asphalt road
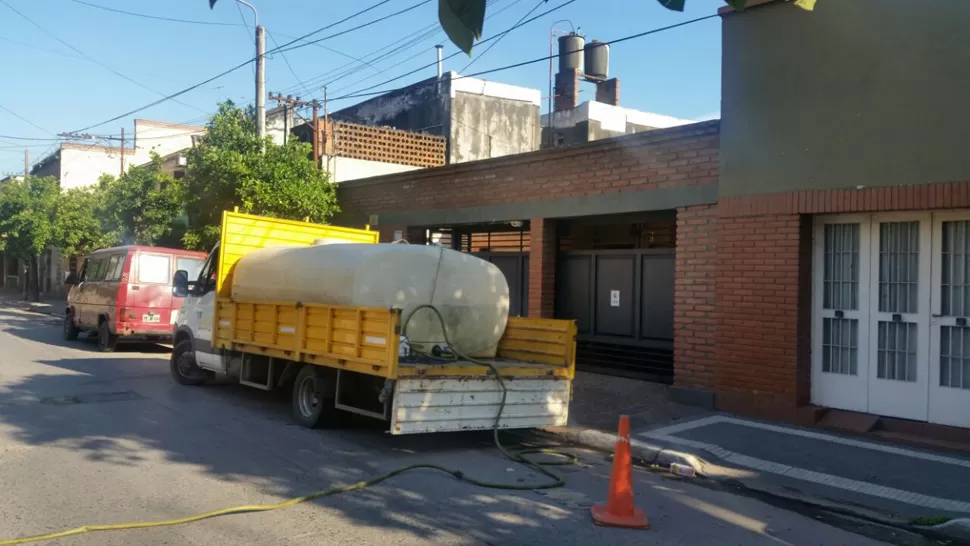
87, 438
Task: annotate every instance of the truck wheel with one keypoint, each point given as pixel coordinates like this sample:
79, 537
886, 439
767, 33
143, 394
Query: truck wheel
184, 369
106, 340
70, 329
313, 399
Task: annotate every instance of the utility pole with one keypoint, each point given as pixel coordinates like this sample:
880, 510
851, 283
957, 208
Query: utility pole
290, 100
260, 80
26, 168
122, 152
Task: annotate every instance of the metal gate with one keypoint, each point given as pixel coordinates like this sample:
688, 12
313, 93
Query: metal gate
623, 303
515, 266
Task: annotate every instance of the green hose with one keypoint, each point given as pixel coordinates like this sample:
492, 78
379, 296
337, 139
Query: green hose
518, 457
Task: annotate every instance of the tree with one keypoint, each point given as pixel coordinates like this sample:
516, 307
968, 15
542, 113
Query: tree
28, 222
232, 167
464, 20
142, 206
80, 226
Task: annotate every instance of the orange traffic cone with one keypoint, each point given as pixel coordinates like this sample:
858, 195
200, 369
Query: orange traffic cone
619, 510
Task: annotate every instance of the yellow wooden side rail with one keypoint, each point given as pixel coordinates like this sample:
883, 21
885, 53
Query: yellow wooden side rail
358, 339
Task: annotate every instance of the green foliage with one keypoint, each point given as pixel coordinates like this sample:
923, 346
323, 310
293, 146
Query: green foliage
80, 224
231, 167
141, 206
28, 223
462, 21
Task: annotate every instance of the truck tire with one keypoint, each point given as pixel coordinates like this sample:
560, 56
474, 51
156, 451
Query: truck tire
184, 369
313, 397
106, 340
70, 328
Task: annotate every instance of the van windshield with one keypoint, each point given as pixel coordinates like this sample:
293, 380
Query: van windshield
192, 266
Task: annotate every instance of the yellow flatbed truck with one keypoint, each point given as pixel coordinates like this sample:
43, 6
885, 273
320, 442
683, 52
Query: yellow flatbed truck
339, 358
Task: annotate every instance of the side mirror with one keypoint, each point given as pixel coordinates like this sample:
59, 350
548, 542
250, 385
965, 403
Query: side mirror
72, 279
180, 284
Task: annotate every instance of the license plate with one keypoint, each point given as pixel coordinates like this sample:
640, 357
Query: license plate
151, 317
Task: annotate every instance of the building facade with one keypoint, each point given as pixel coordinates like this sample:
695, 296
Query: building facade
804, 258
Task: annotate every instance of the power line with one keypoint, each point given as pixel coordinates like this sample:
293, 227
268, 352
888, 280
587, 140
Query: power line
495, 37
18, 116
545, 58
287, 61
495, 43
358, 27
85, 55
43, 139
229, 71
146, 16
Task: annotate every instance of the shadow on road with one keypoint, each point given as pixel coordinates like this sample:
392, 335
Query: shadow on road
122, 409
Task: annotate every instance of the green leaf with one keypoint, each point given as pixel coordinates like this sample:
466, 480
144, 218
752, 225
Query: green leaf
463, 21
807, 5
675, 5
737, 4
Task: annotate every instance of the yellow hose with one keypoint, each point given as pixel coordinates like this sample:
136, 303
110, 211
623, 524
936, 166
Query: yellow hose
518, 457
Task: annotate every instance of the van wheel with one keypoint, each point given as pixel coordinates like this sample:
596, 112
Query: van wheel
70, 328
313, 397
184, 369
106, 340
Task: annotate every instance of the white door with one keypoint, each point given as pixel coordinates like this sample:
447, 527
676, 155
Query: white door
949, 381
840, 360
899, 315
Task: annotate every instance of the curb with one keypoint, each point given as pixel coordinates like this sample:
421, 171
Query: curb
649, 455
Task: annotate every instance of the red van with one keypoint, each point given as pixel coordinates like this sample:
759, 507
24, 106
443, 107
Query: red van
126, 292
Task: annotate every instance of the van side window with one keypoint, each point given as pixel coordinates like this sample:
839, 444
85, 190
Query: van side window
95, 269
113, 269
154, 268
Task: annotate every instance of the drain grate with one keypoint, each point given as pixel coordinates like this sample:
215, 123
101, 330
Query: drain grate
93, 398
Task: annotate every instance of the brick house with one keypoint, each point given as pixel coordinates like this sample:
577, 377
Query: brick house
805, 256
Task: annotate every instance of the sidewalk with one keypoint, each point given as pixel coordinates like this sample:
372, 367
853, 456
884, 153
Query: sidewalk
912, 488
48, 305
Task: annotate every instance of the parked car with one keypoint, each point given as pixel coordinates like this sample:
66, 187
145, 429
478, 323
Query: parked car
126, 293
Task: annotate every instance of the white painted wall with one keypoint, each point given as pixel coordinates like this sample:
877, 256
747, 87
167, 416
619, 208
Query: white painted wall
161, 138
343, 169
81, 166
611, 118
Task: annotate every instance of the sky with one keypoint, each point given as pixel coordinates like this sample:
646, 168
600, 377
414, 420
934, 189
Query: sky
81, 65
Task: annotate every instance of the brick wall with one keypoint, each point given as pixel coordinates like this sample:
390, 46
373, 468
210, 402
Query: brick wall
384, 144
542, 268
760, 268
694, 319
667, 158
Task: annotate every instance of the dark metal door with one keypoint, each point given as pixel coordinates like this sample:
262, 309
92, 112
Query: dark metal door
515, 266
623, 302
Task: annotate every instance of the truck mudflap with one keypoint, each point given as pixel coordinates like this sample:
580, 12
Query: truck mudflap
443, 405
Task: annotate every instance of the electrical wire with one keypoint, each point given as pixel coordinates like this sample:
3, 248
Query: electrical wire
287, 61
88, 57
496, 42
287, 47
251, 36
172, 96
533, 61
146, 16
486, 40
18, 116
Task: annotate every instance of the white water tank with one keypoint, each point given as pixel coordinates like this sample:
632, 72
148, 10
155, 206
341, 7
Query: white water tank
472, 294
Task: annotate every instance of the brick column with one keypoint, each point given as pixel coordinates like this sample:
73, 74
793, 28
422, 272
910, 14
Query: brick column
763, 293
542, 268
694, 309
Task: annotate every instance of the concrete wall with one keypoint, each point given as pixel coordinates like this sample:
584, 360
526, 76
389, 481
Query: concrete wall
481, 119
854, 94
279, 123
483, 127
343, 169
593, 120
83, 165
162, 138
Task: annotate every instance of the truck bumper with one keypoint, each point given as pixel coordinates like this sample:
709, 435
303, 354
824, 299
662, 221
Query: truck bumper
442, 405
